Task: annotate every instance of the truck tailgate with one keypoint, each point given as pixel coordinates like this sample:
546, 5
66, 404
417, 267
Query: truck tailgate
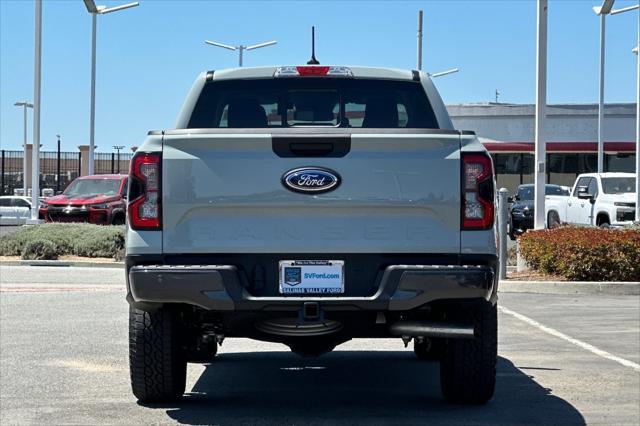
399, 193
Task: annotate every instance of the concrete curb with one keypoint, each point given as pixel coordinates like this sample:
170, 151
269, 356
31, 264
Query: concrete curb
615, 288
61, 263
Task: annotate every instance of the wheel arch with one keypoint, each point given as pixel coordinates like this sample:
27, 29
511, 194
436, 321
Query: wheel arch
602, 214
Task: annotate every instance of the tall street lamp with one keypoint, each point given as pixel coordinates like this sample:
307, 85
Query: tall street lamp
615, 12
241, 48
24, 105
35, 159
636, 51
602, 11
541, 114
95, 11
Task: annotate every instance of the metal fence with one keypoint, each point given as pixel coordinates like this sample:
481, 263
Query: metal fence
11, 172
57, 169
112, 162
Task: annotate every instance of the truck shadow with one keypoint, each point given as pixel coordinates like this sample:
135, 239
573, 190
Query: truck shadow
354, 387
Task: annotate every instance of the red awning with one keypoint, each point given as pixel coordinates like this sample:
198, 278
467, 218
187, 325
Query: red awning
575, 147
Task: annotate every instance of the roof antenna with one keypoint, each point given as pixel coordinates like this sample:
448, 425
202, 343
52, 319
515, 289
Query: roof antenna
313, 60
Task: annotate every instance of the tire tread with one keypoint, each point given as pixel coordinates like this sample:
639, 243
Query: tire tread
468, 368
156, 362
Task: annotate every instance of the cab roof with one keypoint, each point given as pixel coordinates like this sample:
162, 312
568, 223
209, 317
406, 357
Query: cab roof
608, 174
270, 71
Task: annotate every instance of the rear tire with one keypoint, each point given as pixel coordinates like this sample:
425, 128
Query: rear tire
156, 360
468, 366
119, 219
553, 221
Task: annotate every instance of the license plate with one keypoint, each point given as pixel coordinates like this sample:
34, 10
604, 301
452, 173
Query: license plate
311, 276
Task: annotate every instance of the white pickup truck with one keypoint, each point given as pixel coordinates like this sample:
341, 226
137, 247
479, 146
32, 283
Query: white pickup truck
600, 199
309, 205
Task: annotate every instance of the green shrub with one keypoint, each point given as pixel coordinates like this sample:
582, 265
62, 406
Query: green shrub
584, 254
39, 250
106, 242
68, 239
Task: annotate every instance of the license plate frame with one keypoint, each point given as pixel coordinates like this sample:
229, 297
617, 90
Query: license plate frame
297, 277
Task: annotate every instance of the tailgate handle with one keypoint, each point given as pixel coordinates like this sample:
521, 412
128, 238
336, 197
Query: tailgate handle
314, 149
314, 145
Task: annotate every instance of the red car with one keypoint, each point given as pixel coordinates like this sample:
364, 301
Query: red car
99, 199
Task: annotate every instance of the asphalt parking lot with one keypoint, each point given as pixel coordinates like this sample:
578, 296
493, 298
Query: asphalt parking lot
63, 359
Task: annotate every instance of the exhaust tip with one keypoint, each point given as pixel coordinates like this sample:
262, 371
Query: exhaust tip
432, 329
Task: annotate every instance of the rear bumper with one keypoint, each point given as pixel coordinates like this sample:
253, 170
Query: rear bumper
220, 288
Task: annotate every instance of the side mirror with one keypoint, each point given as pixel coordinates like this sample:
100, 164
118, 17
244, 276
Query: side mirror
582, 190
516, 197
583, 195
509, 199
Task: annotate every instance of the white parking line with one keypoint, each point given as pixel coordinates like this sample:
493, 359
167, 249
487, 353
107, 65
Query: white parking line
579, 343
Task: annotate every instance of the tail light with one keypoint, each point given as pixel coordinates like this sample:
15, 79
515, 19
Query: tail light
144, 191
477, 192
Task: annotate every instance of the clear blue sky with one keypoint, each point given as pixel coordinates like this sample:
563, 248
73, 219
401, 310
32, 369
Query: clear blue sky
149, 56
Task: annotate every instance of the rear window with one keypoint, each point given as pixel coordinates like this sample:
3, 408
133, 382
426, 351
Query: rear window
299, 102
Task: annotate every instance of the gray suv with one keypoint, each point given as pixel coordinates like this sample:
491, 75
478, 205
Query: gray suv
310, 205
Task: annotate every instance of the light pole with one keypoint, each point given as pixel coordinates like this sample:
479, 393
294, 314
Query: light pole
419, 46
118, 148
615, 12
637, 52
95, 11
24, 105
602, 11
241, 48
541, 107
35, 161
58, 166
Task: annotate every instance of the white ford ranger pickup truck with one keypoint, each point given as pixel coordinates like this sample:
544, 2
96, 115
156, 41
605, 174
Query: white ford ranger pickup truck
311, 205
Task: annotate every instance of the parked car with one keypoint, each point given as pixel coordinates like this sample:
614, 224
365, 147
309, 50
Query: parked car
597, 199
521, 206
98, 199
14, 210
309, 205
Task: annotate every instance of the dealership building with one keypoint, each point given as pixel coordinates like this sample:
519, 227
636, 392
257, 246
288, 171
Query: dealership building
571, 133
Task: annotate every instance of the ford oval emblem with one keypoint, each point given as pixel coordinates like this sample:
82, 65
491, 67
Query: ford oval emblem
311, 180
